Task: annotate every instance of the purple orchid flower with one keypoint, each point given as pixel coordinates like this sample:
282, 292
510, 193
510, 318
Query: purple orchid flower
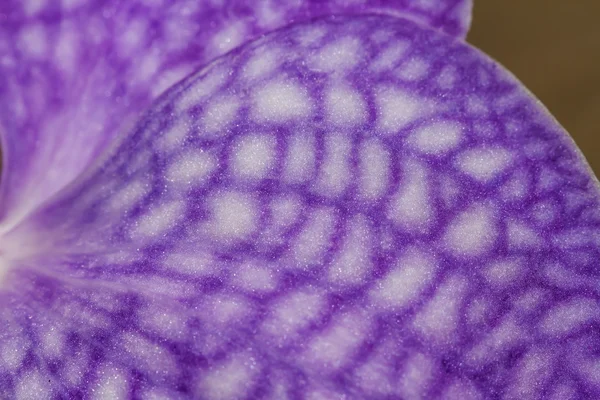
233, 199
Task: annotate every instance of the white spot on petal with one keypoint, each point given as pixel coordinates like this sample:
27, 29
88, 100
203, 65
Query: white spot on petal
439, 318
484, 164
340, 55
345, 106
159, 220
353, 261
410, 275
410, 206
191, 168
334, 175
396, 109
436, 138
472, 232
374, 169
299, 164
229, 380
219, 114
253, 156
234, 216
281, 101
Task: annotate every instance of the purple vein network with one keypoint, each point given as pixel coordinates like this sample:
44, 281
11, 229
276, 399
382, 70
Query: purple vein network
285, 200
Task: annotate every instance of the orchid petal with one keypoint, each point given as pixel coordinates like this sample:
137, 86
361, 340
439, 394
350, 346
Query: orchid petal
76, 74
405, 221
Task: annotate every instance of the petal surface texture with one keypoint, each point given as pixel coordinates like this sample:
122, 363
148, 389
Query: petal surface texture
356, 207
77, 73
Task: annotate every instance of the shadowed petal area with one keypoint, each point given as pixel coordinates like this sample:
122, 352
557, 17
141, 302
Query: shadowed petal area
77, 73
430, 233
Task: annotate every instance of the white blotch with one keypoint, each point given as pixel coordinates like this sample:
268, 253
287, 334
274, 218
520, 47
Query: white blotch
300, 160
112, 384
504, 272
530, 375
416, 377
410, 207
396, 109
234, 216
67, 48
190, 263
516, 188
438, 320
478, 311
158, 220
500, 340
160, 286
165, 321
191, 168
147, 66
229, 380
52, 342
128, 196
253, 156
32, 385
374, 169
12, 353
293, 313
436, 138
353, 261
335, 176
285, 210
484, 164
345, 106
202, 89
229, 37
173, 136
146, 354
372, 375
332, 348
461, 390
389, 57
521, 236
262, 63
338, 56
477, 106
472, 232
32, 40
410, 275
227, 309
255, 277
32, 7
413, 69
530, 300
564, 391
569, 316
280, 101
447, 78
544, 212
219, 114
315, 237
131, 39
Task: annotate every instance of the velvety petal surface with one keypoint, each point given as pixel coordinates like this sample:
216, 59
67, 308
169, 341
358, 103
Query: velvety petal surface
74, 74
354, 208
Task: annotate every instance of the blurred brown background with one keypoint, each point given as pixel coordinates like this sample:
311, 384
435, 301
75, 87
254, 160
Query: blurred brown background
553, 46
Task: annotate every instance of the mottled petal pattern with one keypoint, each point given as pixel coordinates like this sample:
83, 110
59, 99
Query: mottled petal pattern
410, 224
75, 74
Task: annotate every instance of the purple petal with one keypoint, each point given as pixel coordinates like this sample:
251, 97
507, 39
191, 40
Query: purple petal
357, 207
76, 74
